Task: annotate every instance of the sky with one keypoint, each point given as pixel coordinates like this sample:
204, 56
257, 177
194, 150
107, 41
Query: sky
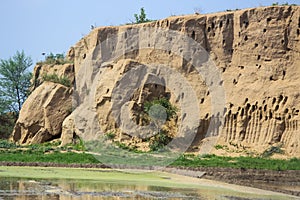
45, 26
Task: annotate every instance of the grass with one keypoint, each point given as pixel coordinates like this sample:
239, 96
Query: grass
55, 157
53, 153
238, 162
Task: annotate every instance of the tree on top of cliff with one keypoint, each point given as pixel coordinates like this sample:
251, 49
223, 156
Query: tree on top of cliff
14, 82
141, 18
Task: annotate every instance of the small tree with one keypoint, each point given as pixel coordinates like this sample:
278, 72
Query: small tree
141, 18
14, 82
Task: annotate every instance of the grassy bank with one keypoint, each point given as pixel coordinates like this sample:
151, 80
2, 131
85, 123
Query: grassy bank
53, 153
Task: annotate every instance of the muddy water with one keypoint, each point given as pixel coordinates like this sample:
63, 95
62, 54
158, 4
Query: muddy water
63, 189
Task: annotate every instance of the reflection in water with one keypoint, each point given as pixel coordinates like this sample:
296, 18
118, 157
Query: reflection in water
25, 189
22, 189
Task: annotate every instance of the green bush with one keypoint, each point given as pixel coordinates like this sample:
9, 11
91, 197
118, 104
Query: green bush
57, 59
284, 4
159, 141
56, 79
169, 108
110, 135
7, 123
141, 18
272, 150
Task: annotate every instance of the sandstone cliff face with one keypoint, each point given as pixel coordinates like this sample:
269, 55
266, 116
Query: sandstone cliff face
256, 53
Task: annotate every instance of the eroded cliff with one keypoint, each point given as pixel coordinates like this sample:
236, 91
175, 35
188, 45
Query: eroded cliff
255, 54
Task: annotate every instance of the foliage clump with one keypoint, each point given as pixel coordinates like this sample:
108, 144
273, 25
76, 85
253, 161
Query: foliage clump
284, 4
272, 150
63, 80
141, 18
159, 141
160, 110
14, 82
169, 109
57, 59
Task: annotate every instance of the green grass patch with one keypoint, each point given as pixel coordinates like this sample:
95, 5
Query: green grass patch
55, 157
237, 162
54, 153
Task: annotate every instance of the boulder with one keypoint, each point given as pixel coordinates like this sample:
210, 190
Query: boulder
43, 113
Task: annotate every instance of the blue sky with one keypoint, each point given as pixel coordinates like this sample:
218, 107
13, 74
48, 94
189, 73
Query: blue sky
38, 26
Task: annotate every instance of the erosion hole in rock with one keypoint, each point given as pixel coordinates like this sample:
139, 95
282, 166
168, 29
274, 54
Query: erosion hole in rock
264, 30
258, 57
274, 101
285, 100
270, 114
193, 35
276, 107
255, 45
298, 32
265, 108
269, 19
208, 29
286, 110
242, 112
248, 106
212, 25
260, 116
280, 98
202, 101
206, 116
221, 24
246, 38
224, 41
246, 100
253, 108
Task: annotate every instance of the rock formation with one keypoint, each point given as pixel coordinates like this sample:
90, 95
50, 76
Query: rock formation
256, 54
42, 114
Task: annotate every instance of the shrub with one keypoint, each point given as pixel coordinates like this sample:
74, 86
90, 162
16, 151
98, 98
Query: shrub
159, 141
56, 79
110, 135
141, 18
271, 151
7, 123
57, 59
169, 108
